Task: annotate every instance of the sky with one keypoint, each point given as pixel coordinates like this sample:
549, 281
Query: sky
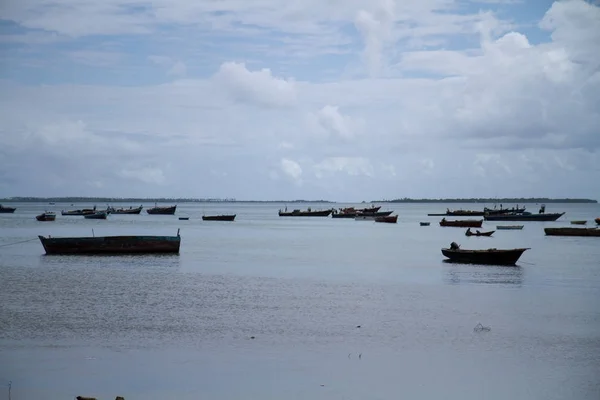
344, 100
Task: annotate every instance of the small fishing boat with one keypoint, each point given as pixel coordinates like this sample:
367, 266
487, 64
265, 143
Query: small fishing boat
307, 213
509, 227
578, 222
46, 216
595, 232
424, 223
525, 216
369, 209
230, 217
374, 214
390, 219
130, 210
156, 210
83, 211
486, 257
111, 244
184, 218
97, 215
7, 210
465, 223
477, 233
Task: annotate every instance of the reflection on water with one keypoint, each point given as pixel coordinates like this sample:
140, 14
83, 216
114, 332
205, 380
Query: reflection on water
146, 261
457, 274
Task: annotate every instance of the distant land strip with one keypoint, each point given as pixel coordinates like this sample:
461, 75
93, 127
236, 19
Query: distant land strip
505, 200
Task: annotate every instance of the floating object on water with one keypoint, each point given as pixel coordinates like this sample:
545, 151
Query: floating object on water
486, 257
481, 328
588, 232
424, 223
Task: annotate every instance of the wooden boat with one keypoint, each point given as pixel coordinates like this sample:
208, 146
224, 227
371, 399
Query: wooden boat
524, 217
495, 211
184, 218
369, 209
46, 216
464, 213
84, 211
97, 215
169, 210
477, 233
424, 223
307, 213
130, 210
509, 227
344, 214
572, 232
390, 219
465, 223
486, 257
230, 217
578, 222
111, 244
7, 210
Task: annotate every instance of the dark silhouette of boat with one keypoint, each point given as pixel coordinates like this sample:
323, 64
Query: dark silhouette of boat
84, 211
524, 217
580, 222
130, 210
46, 216
494, 211
464, 223
105, 245
390, 219
369, 209
509, 227
218, 217
307, 213
486, 211
424, 223
572, 232
97, 215
477, 233
7, 210
486, 257
169, 210
184, 218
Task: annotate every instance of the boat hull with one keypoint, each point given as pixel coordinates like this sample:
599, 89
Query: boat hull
484, 257
137, 210
218, 217
509, 227
424, 223
524, 217
78, 213
587, 232
298, 213
98, 215
111, 245
162, 210
7, 210
467, 223
46, 217
390, 219
490, 233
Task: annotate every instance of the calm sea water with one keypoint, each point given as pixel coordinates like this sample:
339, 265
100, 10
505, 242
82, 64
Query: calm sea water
166, 327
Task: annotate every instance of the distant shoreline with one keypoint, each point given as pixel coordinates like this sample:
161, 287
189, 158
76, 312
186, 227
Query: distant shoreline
192, 200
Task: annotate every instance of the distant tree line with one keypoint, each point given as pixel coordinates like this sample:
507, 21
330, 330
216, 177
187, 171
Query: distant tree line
520, 200
147, 200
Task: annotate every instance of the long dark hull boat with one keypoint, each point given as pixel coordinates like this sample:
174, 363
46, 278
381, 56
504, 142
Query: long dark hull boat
7, 210
129, 210
390, 219
485, 257
488, 233
343, 215
369, 209
107, 245
496, 211
472, 213
308, 213
218, 217
97, 215
465, 223
84, 211
162, 210
509, 227
595, 232
524, 217
47, 216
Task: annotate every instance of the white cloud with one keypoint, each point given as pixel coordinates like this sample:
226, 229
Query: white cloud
256, 87
292, 169
329, 121
146, 175
353, 166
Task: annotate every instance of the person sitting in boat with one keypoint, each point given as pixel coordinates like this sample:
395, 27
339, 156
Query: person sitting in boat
542, 209
454, 246
477, 232
469, 231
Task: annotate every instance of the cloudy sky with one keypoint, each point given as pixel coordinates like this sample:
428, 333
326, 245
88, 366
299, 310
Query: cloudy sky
281, 99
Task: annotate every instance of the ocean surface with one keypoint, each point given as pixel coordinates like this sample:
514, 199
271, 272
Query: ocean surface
298, 308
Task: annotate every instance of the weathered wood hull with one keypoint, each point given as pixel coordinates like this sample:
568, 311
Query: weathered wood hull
162, 210
467, 223
509, 227
524, 217
46, 217
136, 210
589, 232
390, 219
78, 213
7, 210
485, 257
489, 233
97, 215
218, 217
298, 213
111, 245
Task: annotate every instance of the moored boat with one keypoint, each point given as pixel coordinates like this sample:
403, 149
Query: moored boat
230, 217
478, 233
524, 217
97, 215
307, 213
509, 227
111, 244
130, 210
582, 222
424, 223
595, 232
7, 210
83, 211
46, 216
465, 223
485, 257
390, 219
156, 210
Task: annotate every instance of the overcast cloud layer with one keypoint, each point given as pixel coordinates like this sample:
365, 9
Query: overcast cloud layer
268, 99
